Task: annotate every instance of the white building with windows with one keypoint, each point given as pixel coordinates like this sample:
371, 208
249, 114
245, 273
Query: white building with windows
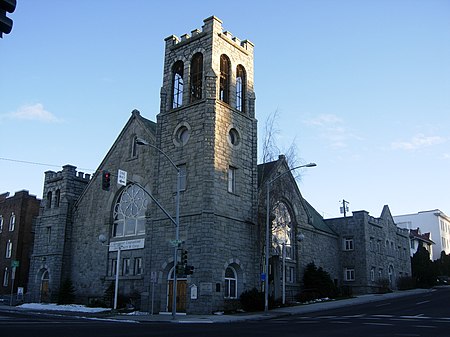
436, 222
419, 239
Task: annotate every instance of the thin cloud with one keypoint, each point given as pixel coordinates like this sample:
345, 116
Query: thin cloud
34, 112
418, 142
324, 120
332, 129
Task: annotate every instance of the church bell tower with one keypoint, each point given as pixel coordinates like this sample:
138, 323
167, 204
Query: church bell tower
208, 128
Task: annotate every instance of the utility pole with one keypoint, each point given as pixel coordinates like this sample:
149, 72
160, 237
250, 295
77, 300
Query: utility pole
344, 208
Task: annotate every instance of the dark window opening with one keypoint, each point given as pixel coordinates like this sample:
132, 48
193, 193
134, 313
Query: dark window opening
196, 77
49, 200
57, 198
224, 90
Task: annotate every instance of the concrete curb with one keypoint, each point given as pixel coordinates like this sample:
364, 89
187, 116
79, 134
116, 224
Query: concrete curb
205, 319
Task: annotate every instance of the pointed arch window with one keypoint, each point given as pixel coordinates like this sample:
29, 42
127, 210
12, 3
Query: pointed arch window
57, 197
12, 222
224, 89
134, 147
49, 199
1, 223
177, 84
9, 247
6, 277
282, 231
196, 77
241, 87
129, 212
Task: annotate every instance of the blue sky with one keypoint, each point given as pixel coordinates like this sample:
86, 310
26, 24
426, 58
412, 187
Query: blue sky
362, 88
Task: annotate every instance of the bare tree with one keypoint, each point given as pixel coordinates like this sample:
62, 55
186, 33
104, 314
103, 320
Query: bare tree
270, 148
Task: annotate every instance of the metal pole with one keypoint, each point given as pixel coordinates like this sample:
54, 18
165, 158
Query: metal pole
284, 273
13, 276
153, 295
266, 286
175, 250
116, 286
177, 220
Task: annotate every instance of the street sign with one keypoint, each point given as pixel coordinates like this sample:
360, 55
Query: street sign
153, 277
263, 276
126, 245
122, 178
175, 243
15, 263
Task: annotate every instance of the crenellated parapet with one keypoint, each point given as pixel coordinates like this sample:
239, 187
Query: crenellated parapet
68, 171
211, 25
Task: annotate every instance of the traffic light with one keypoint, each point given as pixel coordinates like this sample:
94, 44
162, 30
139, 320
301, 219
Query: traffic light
179, 269
184, 257
5, 22
106, 180
189, 270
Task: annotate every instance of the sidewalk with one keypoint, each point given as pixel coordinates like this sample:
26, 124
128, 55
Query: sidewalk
273, 313
181, 318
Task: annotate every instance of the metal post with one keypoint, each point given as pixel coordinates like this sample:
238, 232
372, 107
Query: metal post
266, 286
153, 296
177, 220
116, 286
13, 276
175, 251
284, 273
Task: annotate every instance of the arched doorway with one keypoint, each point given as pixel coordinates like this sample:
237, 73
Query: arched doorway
282, 260
181, 292
44, 292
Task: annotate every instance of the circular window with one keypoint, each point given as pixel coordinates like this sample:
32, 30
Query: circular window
181, 134
233, 137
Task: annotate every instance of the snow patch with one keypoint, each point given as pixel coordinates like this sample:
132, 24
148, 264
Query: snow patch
56, 307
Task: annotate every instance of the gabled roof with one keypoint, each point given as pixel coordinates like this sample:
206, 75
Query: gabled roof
316, 220
266, 171
147, 125
417, 235
150, 125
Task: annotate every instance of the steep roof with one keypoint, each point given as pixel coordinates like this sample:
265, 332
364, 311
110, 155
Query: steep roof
416, 234
264, 171
316, 220
147, 125
150, 125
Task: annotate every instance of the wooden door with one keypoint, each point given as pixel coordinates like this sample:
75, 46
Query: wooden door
44, 291
181, 296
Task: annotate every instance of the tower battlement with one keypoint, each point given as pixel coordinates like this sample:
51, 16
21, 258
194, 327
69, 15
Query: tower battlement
211, 25
68, 171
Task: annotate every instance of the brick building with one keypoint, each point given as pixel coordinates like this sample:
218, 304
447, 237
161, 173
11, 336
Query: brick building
17, 214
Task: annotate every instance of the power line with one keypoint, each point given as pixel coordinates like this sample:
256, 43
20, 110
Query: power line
41, 164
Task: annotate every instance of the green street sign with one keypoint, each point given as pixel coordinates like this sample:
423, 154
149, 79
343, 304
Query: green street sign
14, 263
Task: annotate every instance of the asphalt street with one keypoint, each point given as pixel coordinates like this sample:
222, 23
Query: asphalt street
418, 314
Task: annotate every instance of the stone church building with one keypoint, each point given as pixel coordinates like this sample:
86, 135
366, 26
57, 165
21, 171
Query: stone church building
198, 161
